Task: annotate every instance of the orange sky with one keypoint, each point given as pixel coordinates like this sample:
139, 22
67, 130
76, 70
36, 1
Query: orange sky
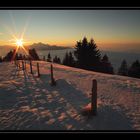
111, 29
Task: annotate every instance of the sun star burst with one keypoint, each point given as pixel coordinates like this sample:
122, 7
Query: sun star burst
19, 42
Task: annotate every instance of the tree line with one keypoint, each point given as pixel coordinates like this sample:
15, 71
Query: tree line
132, 71
86, 56
13, 55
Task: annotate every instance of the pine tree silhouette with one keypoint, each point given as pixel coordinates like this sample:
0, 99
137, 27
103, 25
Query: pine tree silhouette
9, 56
49, 58
134, 70
33, 54
106, 65
87, 55
123, 70
56, 60
69, 59
66, 59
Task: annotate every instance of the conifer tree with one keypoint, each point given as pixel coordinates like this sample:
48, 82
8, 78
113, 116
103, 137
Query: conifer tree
87, 55
134, 70
123, 70
106, 65
49, 57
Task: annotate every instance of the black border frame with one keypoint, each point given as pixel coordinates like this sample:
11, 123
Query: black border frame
11, 7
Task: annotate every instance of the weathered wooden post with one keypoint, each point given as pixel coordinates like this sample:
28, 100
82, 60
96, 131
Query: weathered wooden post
19, 64
38, 72
15, 63
53, 82
44, 59
22, 65
31, 67
25, 65
94, 97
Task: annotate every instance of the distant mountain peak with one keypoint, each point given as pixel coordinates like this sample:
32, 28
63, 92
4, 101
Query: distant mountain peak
43, 46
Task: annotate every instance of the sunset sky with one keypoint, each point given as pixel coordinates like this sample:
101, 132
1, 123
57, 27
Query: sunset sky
115, 29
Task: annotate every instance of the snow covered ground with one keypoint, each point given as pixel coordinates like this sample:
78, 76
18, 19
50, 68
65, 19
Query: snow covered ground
30, 103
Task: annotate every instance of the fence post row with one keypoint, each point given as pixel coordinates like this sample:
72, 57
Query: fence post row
94, 97
53, 83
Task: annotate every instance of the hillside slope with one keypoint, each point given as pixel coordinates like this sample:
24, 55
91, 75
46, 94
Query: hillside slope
30, 103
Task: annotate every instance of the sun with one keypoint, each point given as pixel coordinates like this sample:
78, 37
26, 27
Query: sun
19, 43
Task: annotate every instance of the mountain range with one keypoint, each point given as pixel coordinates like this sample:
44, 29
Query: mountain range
42, 46
38, 46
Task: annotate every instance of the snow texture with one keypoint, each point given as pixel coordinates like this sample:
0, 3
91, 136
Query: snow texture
30, 103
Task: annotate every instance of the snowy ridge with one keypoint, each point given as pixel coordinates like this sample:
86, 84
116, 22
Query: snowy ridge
30, 103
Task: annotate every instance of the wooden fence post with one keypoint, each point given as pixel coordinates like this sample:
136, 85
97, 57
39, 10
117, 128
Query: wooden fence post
53, 82
94, 97
19, 64
25, 65
38, 72
15, 63
31, 67
22, 65
44, 59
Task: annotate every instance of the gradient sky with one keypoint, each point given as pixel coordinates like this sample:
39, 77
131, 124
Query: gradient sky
111, 29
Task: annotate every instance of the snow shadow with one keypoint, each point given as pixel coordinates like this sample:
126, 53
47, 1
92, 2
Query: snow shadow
7, 99
111, 119
36, 105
